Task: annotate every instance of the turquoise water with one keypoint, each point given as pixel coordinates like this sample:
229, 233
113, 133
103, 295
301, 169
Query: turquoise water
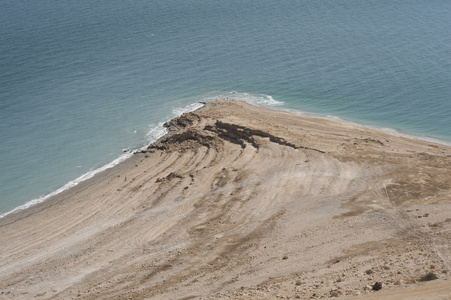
82, 80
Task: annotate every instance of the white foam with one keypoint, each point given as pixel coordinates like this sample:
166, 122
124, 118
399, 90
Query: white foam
255, 99
70, 184
156, 132
190, 107
389, 130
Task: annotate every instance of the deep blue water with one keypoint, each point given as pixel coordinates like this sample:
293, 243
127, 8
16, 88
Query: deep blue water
82, 80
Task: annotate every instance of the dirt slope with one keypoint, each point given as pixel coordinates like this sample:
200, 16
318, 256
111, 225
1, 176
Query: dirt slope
240, 202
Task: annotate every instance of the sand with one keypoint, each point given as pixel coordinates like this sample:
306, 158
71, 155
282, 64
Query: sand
242, 202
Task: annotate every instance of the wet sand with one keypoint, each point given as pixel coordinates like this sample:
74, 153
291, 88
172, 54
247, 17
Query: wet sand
242, 202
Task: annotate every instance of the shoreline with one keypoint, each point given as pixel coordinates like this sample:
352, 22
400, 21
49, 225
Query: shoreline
127, 153
194, 106
241, 202
388, 130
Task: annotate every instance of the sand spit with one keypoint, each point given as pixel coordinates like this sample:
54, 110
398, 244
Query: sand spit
241, 202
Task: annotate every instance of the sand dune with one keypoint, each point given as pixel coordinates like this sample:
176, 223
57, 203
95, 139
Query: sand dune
241, 202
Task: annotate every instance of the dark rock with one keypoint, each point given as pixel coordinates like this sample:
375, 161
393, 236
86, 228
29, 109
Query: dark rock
377, 286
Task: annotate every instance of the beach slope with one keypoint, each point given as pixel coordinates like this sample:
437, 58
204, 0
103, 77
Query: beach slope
243, 202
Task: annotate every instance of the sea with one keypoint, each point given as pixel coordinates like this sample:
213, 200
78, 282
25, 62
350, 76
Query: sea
83, 83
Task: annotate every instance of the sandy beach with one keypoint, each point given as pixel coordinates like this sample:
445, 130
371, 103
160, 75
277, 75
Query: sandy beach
243, 202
